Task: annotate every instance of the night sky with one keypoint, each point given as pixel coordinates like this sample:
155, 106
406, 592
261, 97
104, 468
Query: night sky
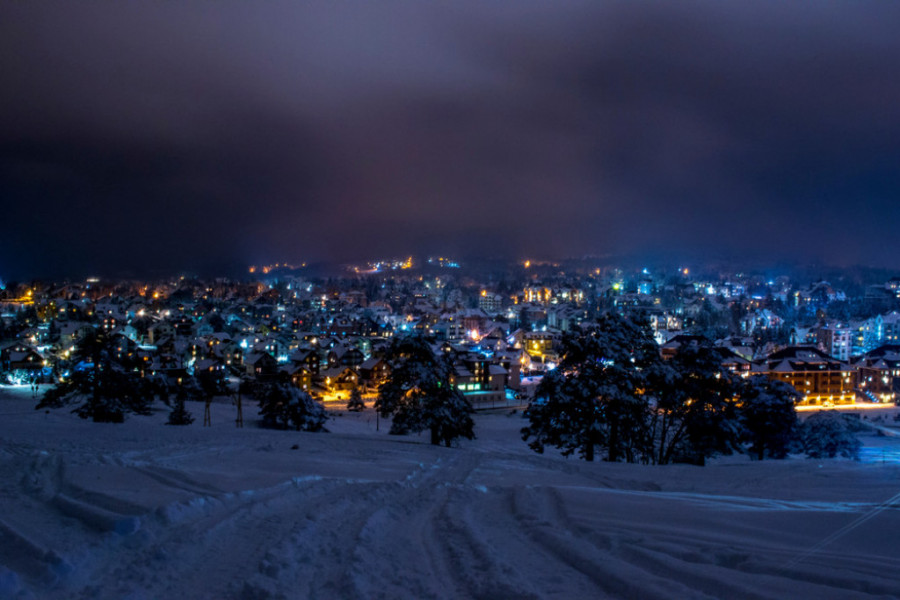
137, 137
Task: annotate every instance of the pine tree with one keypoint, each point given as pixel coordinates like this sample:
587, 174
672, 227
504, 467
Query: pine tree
283, 406
102, 396
356, 403
695, 414
102, 388
827, 434
179, 415
419, 394
211, 383
595, 397
769, 417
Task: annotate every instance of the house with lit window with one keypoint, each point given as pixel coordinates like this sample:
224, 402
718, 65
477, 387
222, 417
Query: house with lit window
760, 319
893, 286
822, 380
540, 344
866, 334
374, 371
71, 332
261, 365
299, 376
481, 382
20, 357
308, 358
891, 328
489, 302
671, 348
158, 331
879, 373
835, 340
512, 362
338, 380
344, 355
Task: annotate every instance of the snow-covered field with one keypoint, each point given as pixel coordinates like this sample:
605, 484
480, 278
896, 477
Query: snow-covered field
142, 510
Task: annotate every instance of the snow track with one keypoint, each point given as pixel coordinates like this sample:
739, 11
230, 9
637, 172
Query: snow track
144, 511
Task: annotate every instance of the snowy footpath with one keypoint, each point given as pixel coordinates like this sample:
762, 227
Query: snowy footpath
143, 510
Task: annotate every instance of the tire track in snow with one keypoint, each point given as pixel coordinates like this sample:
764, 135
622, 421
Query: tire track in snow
671, 561
298, 536
539, 512
177, 480
440, 554
418, 566
316, 557
483, 572
216, 541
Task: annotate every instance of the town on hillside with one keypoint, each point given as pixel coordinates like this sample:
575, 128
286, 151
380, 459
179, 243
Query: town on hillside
836, 341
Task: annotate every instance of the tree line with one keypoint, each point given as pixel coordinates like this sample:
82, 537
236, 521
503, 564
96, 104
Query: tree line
612, 392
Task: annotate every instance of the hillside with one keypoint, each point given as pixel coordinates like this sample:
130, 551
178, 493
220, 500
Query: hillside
142, 510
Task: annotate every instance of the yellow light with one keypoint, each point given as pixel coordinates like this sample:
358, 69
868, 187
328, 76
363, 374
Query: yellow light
527, 264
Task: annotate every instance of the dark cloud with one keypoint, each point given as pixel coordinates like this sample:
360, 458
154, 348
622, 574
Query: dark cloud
142, 136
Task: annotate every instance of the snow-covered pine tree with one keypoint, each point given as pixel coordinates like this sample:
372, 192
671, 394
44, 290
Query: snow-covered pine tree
769, 417
102, 388
100, 394
419, 395
827, 434
283, 406
179, 415
595, 397
695, 415
356, 403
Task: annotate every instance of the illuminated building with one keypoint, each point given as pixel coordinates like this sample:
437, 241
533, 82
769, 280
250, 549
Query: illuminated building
891, 325
821, 379
481, 381
879, 373
866, 334
539, 295
20, 357
834, 341
671, 348
540, 344
490, 302
374, 371
337, 380
261, 365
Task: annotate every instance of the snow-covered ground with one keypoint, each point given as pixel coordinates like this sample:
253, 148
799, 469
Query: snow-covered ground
143, 510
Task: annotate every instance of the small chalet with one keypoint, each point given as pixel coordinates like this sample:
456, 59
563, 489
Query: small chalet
338, 379
20, 357
374, 372
261, 365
